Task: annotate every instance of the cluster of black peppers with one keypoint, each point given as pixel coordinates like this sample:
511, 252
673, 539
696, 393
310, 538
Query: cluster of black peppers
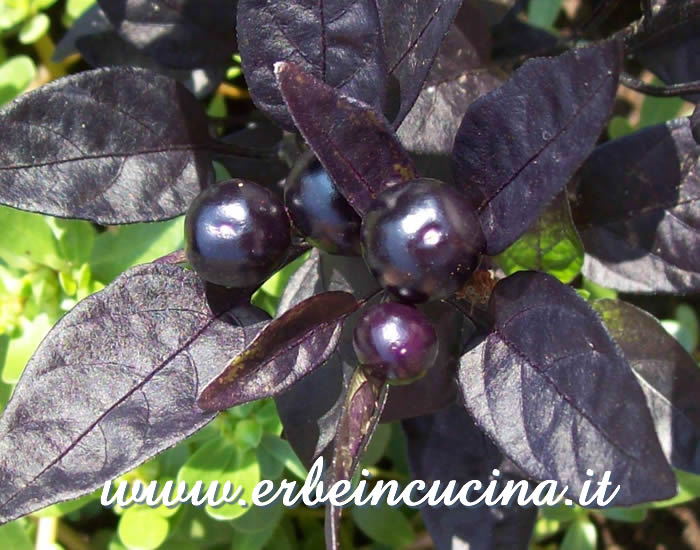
423, 156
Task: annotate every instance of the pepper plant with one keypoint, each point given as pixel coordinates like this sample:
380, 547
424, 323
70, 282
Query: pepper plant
449, 176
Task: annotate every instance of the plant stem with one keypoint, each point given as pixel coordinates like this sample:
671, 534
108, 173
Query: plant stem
672, 90
46, 531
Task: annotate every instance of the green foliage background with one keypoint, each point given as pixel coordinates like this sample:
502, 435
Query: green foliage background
47, 265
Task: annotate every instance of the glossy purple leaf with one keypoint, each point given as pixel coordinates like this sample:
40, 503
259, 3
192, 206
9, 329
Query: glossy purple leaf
670, 43
179, 34
355, 143
553, 391
361, 411
337, 41
516, 149
310, 409
448, 446
413, 32
58, 158
288, 349
639, 214
115, 383
668, 375
456, 80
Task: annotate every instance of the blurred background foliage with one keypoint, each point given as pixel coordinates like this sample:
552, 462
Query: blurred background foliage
47, 265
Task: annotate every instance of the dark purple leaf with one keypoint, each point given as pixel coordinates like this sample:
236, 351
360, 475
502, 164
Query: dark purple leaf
670, 43
555, 394
413, 31
179, 34
456, 80
263, 135
288, 349
516, 149
361, 411
112, 146
310, 409
92, 21
337, 41
448, 446
354, 142
113, 384
437, 389
474, 25
516, 39
639, 214
695, 123
669, 377
108, 49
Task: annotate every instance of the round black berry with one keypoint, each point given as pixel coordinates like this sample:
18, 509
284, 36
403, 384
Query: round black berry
422, 240
318, 211
236, 233
395, 342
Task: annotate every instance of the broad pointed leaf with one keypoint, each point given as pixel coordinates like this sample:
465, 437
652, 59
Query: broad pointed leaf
337, 41
114, 383
669, 377
669, 43
180, 34
108, 49
354, 142
556, 395
457, 78
413, 32
639, 214
448, 446
288, 349
111, 146
310, 409
361, 411
515, 149
551, 244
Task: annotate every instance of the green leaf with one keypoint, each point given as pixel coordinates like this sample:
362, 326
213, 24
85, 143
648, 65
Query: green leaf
13, 535
252, 541
123, 246
260, 518
64, 508
74, 9
22, 347
383, 524
552, 244
15, 75
243, 472
282, 451
142, 528
34, 29
656, 110
76, 239
543, 13
619, 127
629, 515
247, 433
597, 292
218, 460
545, 528
581, 535
28, 241
377, 445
